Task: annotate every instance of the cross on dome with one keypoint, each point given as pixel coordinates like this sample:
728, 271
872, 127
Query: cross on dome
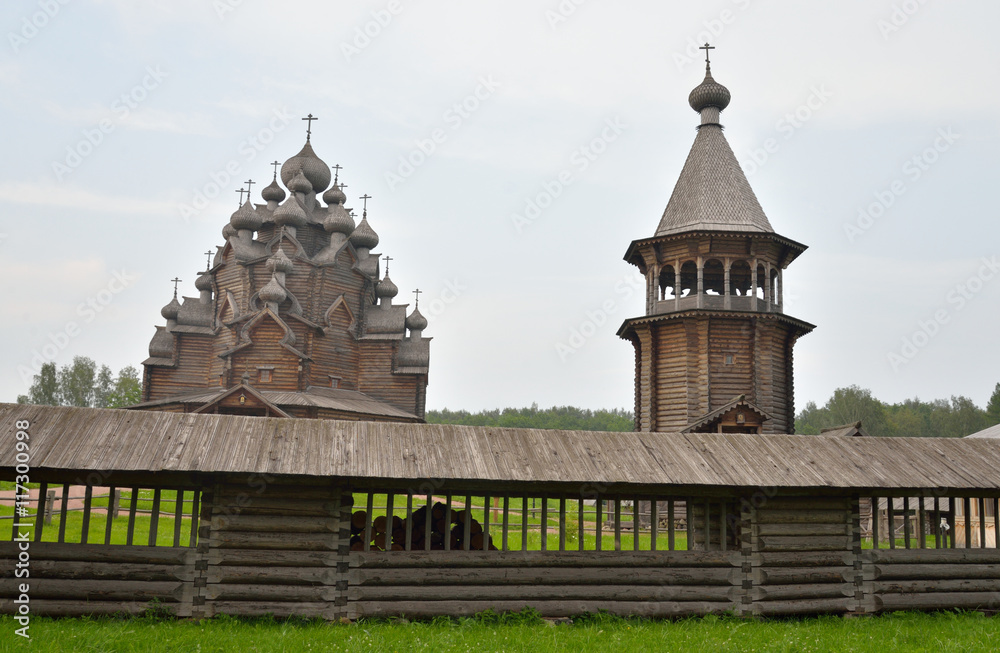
175, 281
365, 198
240, 191
706, 48
208, 260
387, 258
275, 164
416, 296
309, 122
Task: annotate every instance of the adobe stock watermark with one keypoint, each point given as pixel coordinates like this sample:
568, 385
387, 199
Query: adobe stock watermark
562, 12
87, 311
714, 27
31, 26
913, 169
452, 291
220, 179
579, 161
899, 16
788, 125
364, 35
957, 298
122, 107
225, 7
594, 319
454, 117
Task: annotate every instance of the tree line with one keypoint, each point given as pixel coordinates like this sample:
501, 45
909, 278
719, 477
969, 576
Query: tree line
83, 384
557, 417
941, 418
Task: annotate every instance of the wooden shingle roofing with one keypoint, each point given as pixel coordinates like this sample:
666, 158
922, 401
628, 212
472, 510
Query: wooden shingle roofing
138, 441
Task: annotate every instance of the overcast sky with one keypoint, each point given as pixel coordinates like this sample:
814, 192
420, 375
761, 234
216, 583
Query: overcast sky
868, 129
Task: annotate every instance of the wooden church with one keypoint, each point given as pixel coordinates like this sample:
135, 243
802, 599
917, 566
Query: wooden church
294, 317
713, 353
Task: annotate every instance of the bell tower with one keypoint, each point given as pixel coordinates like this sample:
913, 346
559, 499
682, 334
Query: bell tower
714, 350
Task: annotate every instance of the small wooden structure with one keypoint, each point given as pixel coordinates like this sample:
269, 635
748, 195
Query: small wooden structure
287, 514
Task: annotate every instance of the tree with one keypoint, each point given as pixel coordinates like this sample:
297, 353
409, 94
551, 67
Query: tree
82, 384
993, 407
854, 404
45, 388
127, 389
76, 382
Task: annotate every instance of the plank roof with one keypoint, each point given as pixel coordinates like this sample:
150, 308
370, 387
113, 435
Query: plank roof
138, 441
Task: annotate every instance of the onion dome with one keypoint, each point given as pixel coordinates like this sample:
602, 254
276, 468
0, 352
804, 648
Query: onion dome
204, 281
290, 213
280, 262
386, 288
310, 165
162, 344
171, 310
228, 231
364, 235
272, 292
415, 321
709, 93
300, 184
334, 196
338, 221
273, 192
246, 218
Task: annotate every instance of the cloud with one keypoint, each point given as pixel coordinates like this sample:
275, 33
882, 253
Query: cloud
41, 194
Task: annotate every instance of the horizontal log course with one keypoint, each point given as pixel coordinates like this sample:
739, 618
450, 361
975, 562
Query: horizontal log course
805, 606
391, 594
272, 575
938, 601
805, 503
275, 523
920, 586
930, 571
101, 553
769, 516
952, 556
804, 543
800, 529
289, 493
99, 590
76, 569
800, 576
280, 609
576, 559
72, 608
545, 608
259, 592
276, 541
801, 592
803, 559
272, 558
545, 576
261, 505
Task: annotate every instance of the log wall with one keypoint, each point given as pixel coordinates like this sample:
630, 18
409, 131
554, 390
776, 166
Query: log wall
281, 546
275, 549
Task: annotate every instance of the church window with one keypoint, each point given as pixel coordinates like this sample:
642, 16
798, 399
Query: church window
264, 374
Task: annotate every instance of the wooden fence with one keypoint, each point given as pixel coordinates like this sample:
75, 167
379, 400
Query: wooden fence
290, 546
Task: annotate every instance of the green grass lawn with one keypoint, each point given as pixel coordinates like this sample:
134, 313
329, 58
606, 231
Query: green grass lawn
911, 632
